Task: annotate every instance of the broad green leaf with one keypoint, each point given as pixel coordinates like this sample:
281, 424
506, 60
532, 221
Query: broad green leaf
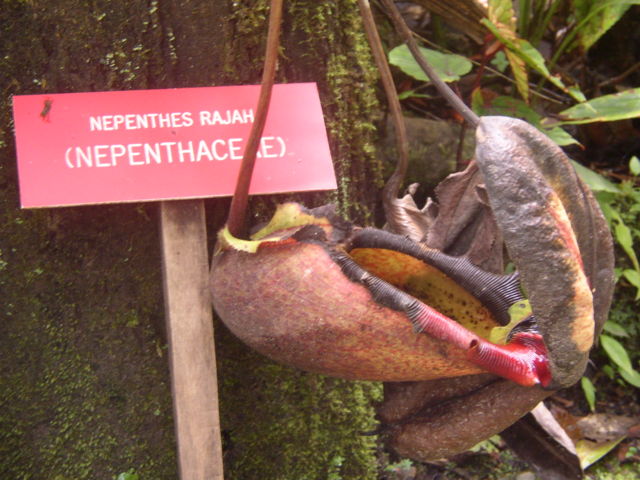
615, 329
632, 377
595, 17
558, 135
513, 107
608, 108
624, 238
577, 94
617, 273
449, 67
594, 180
589, 391
616, 352
633, 276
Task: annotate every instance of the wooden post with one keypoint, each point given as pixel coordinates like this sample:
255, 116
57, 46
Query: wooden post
190, 332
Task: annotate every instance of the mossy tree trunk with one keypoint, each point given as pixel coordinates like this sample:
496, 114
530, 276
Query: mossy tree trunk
84, 377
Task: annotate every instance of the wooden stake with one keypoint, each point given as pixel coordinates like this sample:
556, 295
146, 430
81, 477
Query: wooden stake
192, 354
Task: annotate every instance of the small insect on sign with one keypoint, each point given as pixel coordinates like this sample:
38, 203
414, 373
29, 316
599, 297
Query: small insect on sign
128, 146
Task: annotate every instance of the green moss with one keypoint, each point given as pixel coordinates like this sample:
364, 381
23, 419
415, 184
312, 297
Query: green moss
614, 470
85, 396
328, 38
85, 388
286, 424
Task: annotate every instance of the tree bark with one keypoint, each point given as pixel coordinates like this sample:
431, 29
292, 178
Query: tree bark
85, 378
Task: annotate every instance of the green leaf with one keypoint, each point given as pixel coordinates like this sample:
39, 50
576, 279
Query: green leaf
507, 106
558, 135
589, 391
513, 107
595, 17
501, 11
605, 200
624, 238
633, 277
500, 61
609, 371
615, 329
576, 93
595, 181
590, 452
616, 353
520, 75
634, 166
501, 14
608, 108
449, 67
632, 377
532, 57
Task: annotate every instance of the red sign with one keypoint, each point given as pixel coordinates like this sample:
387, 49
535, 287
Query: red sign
129, 146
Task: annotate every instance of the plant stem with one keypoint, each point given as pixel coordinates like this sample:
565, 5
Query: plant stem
541, 20
392, 186
524, 17
442, 87
237, 211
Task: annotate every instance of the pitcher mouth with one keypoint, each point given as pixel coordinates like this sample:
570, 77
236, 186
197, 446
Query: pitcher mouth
523, 359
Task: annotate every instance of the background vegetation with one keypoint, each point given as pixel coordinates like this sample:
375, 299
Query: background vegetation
83, 371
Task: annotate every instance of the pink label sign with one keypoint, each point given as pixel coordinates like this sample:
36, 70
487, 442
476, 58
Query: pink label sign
129, 146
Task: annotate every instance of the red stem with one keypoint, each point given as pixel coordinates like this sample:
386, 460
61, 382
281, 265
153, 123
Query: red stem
238, 209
